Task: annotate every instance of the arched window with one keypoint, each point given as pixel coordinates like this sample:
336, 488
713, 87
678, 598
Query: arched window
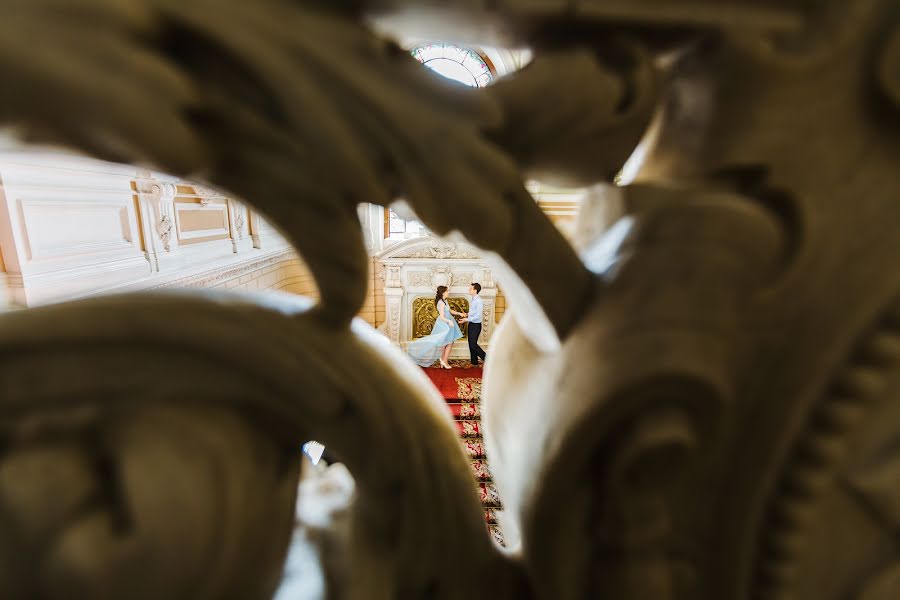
460, 64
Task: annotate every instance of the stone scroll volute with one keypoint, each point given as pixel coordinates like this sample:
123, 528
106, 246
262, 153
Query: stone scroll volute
667, 444
657, 405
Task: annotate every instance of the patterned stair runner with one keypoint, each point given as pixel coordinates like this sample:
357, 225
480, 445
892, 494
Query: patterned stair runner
461, 388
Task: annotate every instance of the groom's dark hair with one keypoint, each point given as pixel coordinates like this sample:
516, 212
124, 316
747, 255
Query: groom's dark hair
477, 287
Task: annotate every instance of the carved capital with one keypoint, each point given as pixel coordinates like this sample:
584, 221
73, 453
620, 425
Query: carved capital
392, 276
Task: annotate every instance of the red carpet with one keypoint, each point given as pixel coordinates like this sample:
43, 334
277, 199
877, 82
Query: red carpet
458, 383
461, 388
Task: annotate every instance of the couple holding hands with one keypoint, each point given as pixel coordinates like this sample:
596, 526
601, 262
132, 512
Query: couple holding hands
437, 345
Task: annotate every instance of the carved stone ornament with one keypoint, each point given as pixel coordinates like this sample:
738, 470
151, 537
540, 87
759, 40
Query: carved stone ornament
698, 400
239, 223
394, 320
440, 250
159, 195
441, 275
392, 276
156, 189
204, 191
205, 194
419, 278
165, 227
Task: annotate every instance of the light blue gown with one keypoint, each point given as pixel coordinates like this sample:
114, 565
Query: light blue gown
426, 350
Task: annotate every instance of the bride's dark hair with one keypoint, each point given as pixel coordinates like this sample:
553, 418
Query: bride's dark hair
440, 292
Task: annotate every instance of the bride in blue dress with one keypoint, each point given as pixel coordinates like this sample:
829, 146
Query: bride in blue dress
438, 344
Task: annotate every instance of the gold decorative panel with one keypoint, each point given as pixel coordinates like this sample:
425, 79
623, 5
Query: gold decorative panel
424, 314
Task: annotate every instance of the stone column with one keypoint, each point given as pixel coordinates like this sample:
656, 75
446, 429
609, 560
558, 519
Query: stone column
488, 299
393, 303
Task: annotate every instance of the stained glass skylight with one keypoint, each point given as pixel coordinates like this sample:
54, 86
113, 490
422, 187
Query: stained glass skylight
460, 64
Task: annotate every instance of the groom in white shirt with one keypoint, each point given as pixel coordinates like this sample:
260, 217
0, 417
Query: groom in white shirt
476, 308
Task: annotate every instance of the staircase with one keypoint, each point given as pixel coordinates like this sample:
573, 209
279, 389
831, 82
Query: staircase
461, 389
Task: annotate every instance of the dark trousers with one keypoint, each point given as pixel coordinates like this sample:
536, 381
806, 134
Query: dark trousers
475, 351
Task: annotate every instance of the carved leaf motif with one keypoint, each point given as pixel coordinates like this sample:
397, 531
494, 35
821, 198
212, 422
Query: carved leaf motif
419, 278
239, 224
165, 232
205, 192
395, 320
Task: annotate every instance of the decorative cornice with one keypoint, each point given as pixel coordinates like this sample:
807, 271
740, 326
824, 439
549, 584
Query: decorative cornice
206, 192
430, 248
212, 276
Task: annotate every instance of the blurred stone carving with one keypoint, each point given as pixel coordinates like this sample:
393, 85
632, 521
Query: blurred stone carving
698, 402
163, 501
164, 228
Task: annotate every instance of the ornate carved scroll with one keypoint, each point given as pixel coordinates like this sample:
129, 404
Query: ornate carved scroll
847, 451
120, 467
619, 444
380, 118
671, 416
